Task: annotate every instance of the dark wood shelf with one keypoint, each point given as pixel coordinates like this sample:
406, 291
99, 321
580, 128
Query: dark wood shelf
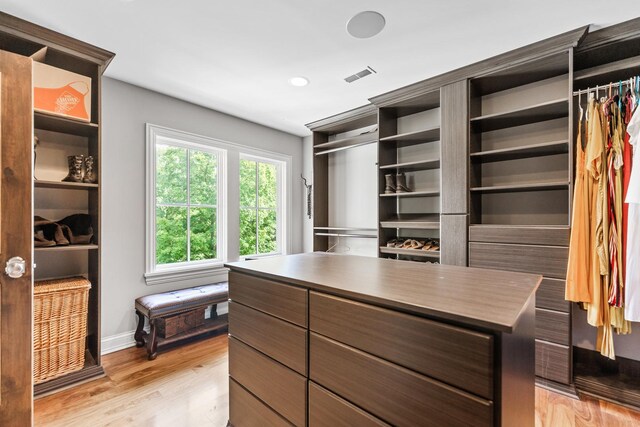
63, 125
365, 138
415, 104
536, 113
429, 193
410, 252
344, 229
414, 166
411, 138
522, 152
609, 72
416, 222
64, 185
210, 325
90, 370
530, 186
66, 248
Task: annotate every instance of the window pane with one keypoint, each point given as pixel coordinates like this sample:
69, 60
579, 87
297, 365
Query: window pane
247, 232
203, 177
171, 235
267, 232
203, 234
171, 174
247, 183
268, 185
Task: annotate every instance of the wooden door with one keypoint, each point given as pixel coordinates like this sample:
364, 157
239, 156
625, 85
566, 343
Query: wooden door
16, 240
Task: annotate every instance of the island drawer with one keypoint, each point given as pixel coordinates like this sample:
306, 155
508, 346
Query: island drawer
276, 385
456, 356
553, 361
328, 410
280, 340
394, 394
247, 411
280, 300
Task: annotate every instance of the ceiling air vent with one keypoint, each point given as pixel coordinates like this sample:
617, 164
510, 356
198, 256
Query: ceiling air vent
360, 74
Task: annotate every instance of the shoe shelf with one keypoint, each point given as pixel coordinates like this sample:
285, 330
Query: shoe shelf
66, 248
541, 112
342, 144
424, 193
413, 166
416, 137
415, 222
529, 186
522, 152
410, 252
64, 185
63, 125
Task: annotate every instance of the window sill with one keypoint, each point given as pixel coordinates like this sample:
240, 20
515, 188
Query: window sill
216, 273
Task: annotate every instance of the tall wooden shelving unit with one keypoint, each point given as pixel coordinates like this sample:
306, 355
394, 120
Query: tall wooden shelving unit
410, 143
53, 198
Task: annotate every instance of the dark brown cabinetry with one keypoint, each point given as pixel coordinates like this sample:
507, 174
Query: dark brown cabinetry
53, 199
401, 355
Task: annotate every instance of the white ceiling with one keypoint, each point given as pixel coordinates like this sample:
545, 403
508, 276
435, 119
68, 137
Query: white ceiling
236, 56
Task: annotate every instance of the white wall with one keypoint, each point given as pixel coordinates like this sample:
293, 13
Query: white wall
125, 110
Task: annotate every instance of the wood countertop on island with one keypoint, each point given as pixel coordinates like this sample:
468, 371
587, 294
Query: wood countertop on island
488, 299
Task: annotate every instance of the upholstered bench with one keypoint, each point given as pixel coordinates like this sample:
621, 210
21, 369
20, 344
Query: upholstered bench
179, 315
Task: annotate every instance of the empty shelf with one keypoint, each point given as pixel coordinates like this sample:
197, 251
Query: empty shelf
428, 193
611, 71
414, 166
66, 248
410, 252
536, 113
530, 186
524, 151
345, 229
351, 141
417, 137
417, 222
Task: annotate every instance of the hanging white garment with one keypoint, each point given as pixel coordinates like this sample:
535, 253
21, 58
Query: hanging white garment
632, 282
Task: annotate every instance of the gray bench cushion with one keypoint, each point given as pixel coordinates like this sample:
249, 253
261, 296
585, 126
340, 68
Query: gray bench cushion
160, 305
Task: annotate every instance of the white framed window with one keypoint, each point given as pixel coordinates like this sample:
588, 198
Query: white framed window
262, 206
186, 202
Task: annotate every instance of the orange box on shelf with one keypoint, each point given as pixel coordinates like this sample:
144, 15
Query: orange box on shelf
61, 92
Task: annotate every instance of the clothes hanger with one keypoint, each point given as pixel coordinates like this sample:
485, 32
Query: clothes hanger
580, 105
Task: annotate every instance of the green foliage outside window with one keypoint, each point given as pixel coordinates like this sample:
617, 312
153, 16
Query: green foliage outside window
186, 204
258, 208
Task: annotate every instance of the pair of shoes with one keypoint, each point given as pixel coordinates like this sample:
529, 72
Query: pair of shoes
431, 245
74, 229
397, 184
412, 244
76, 164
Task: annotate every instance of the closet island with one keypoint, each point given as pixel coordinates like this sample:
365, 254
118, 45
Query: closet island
326, 340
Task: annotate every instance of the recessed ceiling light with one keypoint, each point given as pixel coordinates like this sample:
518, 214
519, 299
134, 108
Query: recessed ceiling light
299, 81
366, 24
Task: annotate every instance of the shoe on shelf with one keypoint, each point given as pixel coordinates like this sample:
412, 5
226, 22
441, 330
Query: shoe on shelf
401, 184
390, 184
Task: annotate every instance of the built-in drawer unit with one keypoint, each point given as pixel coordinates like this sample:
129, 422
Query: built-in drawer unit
278, 339
553, 326
282, 389
328, 410
247, 411
553, 361
392, 393
521, 235
456, 356
550, 295
550, 261
277, 299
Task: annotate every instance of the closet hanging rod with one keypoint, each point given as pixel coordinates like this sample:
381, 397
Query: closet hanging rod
334, 150
604, 87
362, 236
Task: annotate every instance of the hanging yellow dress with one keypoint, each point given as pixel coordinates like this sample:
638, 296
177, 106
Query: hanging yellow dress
577, 285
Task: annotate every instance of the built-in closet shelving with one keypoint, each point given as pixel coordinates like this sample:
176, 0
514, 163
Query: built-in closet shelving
350, 130
410, 145
60, 137
608, 56
520, 158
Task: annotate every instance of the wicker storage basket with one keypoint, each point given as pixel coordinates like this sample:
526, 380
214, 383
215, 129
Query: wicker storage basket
60, 326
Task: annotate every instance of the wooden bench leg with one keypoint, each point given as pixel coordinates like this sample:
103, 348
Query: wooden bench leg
139, 335
152, 343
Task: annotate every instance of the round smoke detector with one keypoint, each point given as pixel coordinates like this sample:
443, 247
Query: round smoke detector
365, 24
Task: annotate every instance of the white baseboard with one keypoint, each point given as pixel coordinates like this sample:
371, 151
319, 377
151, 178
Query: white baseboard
118, 342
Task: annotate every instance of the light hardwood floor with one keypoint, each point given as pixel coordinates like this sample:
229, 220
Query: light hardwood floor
188, 387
